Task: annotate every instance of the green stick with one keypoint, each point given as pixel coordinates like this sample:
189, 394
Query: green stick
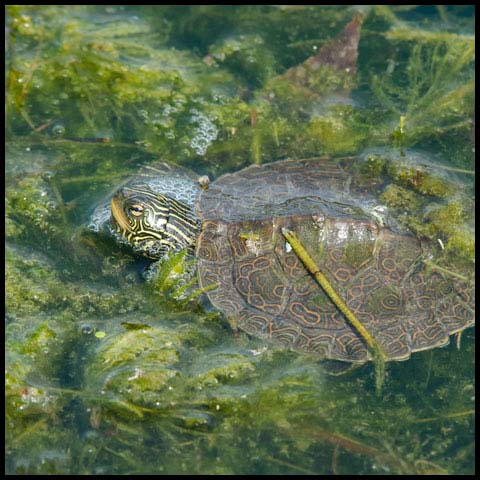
378, 354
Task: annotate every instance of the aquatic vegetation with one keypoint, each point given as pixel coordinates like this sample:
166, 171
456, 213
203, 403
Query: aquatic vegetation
290, 33
109, 374
431, 73
432, 204
373, 166
247, 54
420, 180
88, 87
136, 364
32, 201
335, 134
449, 222
432, 89
461, 245
30, 287
400, 198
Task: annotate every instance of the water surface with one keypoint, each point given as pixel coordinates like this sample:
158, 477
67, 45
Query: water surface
108, 374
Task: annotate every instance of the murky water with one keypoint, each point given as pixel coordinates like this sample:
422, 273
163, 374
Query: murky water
109, 374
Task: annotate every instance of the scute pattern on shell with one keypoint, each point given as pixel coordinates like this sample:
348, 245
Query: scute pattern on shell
379, 273
281, 188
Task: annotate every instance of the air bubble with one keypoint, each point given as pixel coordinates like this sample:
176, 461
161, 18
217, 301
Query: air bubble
86, 329
205, 133
58, 129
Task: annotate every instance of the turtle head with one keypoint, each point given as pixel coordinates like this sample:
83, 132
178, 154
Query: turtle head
151, 222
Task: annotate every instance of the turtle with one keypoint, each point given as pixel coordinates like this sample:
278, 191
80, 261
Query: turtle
233, 228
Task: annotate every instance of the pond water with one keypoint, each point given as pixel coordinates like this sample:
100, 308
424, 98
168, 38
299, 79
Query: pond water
107, 373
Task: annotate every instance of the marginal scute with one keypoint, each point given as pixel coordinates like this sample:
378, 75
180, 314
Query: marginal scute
212, 243
349, 347
254, 323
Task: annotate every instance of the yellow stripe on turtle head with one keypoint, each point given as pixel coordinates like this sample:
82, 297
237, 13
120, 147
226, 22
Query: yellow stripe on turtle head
119, 215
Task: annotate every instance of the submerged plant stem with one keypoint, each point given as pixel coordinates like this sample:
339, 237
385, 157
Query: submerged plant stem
456, 170
30, 430
465, 413
289, 465
444, 270
61, 205
256, 147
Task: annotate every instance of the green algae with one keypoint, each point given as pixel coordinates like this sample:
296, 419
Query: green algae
420, 180
247, 54
461, 245
33, 287
373, 166
177, 391
445, 220
446, 223
334, 135
223, 369
102, 85
400, 198
307, 87
427, 82
143, 346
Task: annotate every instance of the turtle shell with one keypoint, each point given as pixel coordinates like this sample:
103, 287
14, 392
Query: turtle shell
378, 271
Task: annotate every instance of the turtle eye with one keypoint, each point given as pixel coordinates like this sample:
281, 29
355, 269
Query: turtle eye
136, 210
